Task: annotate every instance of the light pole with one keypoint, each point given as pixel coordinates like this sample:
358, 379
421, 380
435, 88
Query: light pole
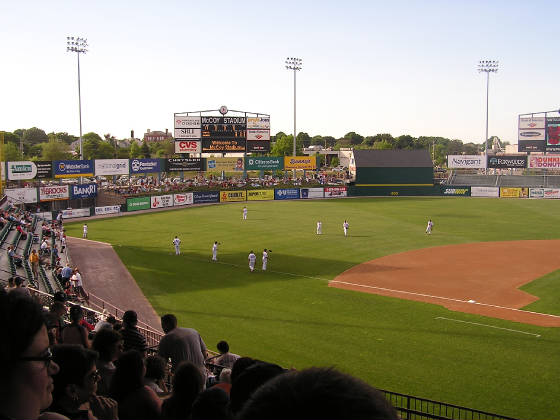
487, 66
295, 64
78, 45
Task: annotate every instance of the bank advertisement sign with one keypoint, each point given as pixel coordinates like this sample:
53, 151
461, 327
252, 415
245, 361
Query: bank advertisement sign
83, 191
182, 199
107, 210
139, 203
507, 161
463, 191
264, 163
54, 192
300, 162
544, 162
183, 164
224, 164
73, 168
29, 170
226, 196
21, 195
312, 192
466, 161
259, 195
141, 166
286, 193
201, 197
159, 201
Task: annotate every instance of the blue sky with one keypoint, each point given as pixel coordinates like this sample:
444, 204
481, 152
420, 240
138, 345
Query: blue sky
402, 67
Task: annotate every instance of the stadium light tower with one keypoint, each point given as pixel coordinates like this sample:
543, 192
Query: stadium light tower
295, 64
487, 66
78, 45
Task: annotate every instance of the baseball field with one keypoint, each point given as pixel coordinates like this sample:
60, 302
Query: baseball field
441, 316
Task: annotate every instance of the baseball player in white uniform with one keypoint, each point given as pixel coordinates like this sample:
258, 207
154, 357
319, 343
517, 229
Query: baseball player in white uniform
84, 235
252, 259
429, 227
215, 251
244, 213
319, 228
345, 226
264, 259
176, 243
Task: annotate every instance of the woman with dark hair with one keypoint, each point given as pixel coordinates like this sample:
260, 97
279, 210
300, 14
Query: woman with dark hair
136, 401
76, 384
108, 343
188, 382
75, 333
27, 367
156, 369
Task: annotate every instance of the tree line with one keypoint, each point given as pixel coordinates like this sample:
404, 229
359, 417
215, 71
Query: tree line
35, 144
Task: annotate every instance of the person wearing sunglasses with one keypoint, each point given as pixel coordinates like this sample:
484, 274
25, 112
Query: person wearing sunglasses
27, 366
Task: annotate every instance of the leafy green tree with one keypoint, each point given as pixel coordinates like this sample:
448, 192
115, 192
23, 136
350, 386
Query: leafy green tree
283, 146
145, 150
330, 141
10, 137
19, 132
318, 140
105, 151
123, 152
354, 138
135, 150
334, 162
12, 153
303, 139
278, 135
405, 142
368, 141
35, 135
31, 151
382, 145
92, 136
64, 137
54, 149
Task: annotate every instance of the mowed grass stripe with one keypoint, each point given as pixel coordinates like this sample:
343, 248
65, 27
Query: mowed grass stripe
299, 321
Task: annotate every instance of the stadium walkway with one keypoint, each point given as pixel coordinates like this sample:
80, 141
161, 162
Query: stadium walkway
106, 276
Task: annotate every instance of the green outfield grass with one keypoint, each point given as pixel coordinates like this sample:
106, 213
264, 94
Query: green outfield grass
289, 316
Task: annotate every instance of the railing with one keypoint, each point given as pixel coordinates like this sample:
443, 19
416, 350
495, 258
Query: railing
414, 408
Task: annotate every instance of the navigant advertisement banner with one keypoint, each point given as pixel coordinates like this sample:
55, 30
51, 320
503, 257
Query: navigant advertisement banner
21, 195
466, 161
259, 195
107, 210
182, 199
159, 201
226, 196
111, 167
55, 192
331, 192
71, 213
485, 191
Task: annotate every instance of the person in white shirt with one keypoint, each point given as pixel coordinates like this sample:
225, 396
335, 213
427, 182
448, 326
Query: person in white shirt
176, 243
345, 226
85, 232
252, 259
215, 251
244, 213
429, 227
319, 228
264, 259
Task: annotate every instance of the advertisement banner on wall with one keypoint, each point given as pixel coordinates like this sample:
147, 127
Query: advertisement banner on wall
466, 161
111, 167
536, 192
71, 213
531, 134
141, 166
312, 193
464, 191
553, 134
544, 162
107, 210
507, 161
187, 133
261, 135
258, 195
139, 203
552, 193
286, 193
514, 192
259, 146
182, 199
159, 201
331, 192
83, 191
485, 191
55, 192
29, 170
224, 164
258, 122
264, 163
300, 162
73, 168
21, 195
183, 164
226, 196
186, 122
188, 146
200, 197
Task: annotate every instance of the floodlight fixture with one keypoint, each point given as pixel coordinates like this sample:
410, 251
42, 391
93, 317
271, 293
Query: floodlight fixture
79, 46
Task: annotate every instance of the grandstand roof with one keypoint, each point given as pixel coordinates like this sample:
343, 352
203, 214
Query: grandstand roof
392, 158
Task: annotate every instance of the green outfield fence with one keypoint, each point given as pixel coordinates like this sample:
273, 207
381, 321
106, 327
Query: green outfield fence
414, 408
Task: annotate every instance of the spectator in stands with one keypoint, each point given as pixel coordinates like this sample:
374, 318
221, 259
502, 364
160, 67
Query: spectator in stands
109, 344
211, 404
105, 323
23, 233
181, 344
54, 320
27, 367
136, 401
248, 381
225, 358
11, 284
76, 384
44, 248
20, 288
188, 382
18, 261
133, 339
66, 273
240, 365
75, 333
317, 393
156, 369
224, 380
78, 285
34, 260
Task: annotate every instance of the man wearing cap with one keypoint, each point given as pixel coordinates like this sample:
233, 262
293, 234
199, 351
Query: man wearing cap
132, 338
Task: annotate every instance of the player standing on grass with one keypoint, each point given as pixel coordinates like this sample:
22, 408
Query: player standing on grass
252, 259
244, 213
264, 259
345, 226
319, 228
215, 251
84, 235
176, 243
429, 227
